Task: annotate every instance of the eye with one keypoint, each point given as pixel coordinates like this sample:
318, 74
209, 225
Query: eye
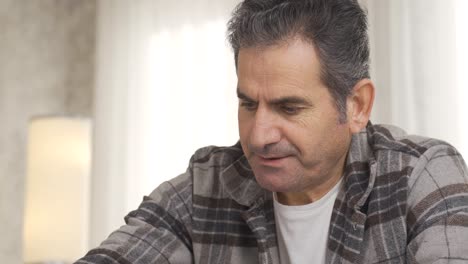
249, 106
290, 110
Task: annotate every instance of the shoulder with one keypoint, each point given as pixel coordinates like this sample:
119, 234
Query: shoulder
433, 167
423, 164
205, 163
392, 139
174, 197
425, 182
216, 156
399, 150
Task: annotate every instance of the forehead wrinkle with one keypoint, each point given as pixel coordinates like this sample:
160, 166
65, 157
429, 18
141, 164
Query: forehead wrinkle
265, 73
273, 79
279, 85
290, 76
258, 66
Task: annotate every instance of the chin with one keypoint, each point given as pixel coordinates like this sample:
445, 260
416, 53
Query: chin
276, 183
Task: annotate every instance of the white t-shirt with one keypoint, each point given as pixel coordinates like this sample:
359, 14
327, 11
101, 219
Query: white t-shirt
303, 230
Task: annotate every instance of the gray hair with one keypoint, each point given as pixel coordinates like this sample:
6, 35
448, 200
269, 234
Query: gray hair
336, 28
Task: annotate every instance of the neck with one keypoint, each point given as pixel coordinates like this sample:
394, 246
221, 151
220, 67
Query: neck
302, 198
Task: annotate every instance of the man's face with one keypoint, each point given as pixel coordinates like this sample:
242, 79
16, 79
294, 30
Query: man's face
288, 124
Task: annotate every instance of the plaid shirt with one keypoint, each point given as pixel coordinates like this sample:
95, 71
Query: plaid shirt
404, 200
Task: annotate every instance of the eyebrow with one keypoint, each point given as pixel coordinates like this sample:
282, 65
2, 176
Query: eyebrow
296, 100
244, 97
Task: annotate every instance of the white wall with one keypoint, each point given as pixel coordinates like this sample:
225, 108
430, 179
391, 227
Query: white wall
47, 67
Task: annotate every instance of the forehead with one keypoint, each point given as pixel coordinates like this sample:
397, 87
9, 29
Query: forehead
283, 67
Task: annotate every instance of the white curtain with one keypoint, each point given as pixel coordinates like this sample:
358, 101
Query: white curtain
165, 86
418, 62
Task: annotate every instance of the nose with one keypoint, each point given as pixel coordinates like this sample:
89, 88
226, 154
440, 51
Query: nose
265, 130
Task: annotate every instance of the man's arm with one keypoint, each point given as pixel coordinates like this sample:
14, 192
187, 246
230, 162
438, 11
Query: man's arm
159, 231
438, 208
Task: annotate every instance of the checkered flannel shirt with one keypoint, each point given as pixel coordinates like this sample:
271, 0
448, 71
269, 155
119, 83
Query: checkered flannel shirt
404, 200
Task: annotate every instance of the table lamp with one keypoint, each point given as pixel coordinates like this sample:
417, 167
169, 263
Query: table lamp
57, 189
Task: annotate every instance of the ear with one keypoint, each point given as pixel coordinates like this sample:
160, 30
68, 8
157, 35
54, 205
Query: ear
359, 105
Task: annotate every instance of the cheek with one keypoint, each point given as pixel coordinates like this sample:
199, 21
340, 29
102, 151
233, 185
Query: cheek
314, 138
243, 125
303, 133
244, 131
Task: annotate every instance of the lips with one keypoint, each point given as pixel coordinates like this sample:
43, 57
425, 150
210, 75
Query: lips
272, 161
271, 157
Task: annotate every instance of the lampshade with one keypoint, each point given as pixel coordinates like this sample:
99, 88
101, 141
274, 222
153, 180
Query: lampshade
57, 189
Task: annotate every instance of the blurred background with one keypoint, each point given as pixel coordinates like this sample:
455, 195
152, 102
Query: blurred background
101, 101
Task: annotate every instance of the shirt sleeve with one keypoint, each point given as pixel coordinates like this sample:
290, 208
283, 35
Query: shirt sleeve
159, 231
438, 208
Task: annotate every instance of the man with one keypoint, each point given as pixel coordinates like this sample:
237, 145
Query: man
312, 180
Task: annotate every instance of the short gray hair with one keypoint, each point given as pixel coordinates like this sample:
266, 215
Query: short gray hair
336, 28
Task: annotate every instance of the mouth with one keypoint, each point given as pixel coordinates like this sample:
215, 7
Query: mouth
270, 158
272, 161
